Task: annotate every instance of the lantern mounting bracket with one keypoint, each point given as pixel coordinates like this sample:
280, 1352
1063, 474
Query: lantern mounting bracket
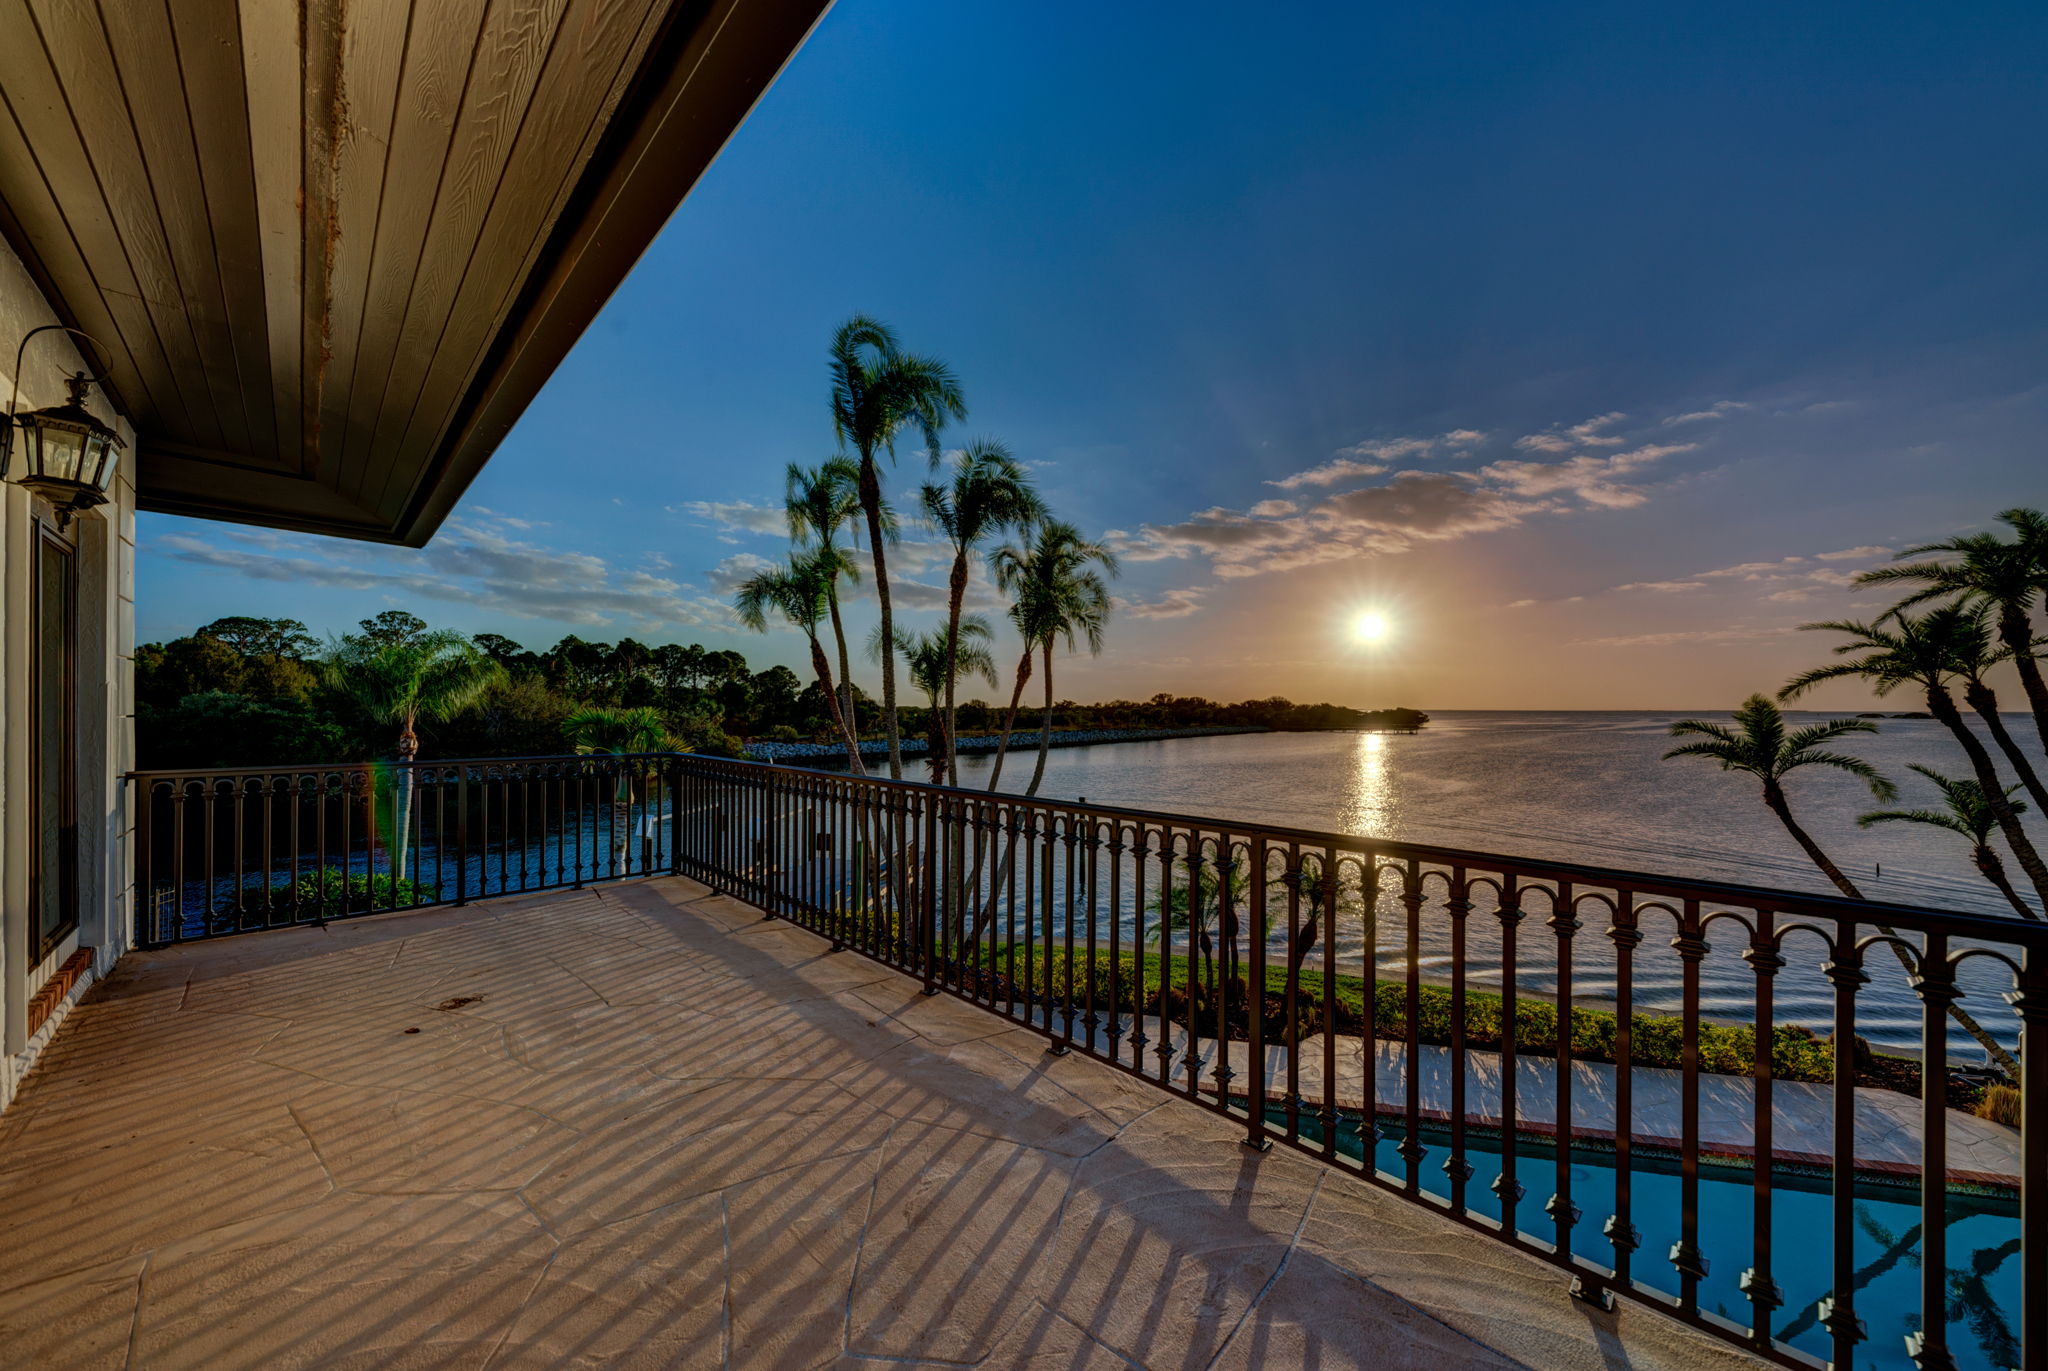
83, 448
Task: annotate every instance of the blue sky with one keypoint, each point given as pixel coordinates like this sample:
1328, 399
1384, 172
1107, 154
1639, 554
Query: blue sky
1597, 345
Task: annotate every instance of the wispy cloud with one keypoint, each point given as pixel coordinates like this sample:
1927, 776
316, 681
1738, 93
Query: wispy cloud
1410, 506
1786, 581
1413, 507
1330, 473
1569, 438
1376, 456
1595, 480
1697, 635
472, 562
1174, 604
731, 572
1846, 554
1720, 409
1562, 600
737, 516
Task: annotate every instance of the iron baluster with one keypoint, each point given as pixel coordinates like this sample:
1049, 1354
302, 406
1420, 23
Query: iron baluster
1765, 1297
1838, 1311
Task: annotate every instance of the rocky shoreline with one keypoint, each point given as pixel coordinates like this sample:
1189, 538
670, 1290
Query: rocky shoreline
1021, 741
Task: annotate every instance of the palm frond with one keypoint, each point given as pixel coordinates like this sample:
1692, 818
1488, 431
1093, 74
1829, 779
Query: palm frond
1933, 818
1813, 735
434, 675
1688, 727
617, 731
1728, 753
1836, 671
1880, 786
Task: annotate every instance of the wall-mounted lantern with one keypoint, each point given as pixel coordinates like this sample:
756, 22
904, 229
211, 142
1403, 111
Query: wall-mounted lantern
66, 453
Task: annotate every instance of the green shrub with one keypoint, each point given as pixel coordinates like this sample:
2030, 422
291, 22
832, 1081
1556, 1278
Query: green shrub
330, 892
1797, 1052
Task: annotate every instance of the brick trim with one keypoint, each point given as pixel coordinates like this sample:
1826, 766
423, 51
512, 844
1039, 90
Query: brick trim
53, 991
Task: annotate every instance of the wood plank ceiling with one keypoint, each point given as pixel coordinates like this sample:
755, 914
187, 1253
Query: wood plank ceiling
335, 246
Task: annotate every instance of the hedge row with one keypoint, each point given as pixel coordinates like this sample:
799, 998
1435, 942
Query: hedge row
1797, 1052
330, 892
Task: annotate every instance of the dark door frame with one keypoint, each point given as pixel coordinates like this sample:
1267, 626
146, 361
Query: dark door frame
43, 942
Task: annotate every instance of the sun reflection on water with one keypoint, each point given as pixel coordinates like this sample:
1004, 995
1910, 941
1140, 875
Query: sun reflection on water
1371, 806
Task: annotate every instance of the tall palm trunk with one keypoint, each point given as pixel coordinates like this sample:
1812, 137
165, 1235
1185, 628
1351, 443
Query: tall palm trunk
1993, 870
2017, 633
871, 506
1044, 733
1010, 717
401, 804
1774, 798
995, 776
935, 744
848, 727
622, 817
1943, 707
823, 670
1985, 701
956, 596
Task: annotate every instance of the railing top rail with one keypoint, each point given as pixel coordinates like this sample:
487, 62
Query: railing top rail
1918, 918
1835, 908
228, 773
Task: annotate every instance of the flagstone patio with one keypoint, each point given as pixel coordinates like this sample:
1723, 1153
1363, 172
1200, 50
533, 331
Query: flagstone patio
642, 1127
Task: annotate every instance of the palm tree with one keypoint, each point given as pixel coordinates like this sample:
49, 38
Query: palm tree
1759, 745
428, 676
1926, 652
1965, 812
1211, 889
1970, 646
820, 501
989, 494
798, 590
618, 733
879, 393
2006, 578
1055, 595
934, 663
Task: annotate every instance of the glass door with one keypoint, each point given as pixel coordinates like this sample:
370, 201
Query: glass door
53, 869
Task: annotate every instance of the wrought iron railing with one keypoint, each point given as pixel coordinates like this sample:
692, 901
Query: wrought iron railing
239, 851
1680, 1117
1634, 1077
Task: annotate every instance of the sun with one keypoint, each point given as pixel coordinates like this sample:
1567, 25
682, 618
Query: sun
1371, 626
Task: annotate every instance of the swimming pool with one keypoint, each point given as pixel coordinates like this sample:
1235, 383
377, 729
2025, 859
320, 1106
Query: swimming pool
1983, 1278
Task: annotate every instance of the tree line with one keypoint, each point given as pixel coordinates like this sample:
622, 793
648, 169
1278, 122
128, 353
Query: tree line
255, 692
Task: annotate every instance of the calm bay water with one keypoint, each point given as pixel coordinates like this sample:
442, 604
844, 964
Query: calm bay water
1579, 787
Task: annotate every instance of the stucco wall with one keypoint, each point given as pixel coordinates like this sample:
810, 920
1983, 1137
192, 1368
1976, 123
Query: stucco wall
105, 647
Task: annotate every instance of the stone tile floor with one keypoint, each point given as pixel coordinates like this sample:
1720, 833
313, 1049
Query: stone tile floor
639, 1126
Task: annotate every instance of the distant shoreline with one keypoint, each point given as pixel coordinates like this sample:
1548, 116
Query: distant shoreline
982, 745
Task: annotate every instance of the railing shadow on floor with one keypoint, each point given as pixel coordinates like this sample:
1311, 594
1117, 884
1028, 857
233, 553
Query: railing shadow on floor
1234, 963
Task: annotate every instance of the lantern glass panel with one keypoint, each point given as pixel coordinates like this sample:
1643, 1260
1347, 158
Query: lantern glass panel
106, 454
62, 453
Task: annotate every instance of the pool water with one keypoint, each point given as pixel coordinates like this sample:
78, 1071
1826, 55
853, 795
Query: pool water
1983, 1279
